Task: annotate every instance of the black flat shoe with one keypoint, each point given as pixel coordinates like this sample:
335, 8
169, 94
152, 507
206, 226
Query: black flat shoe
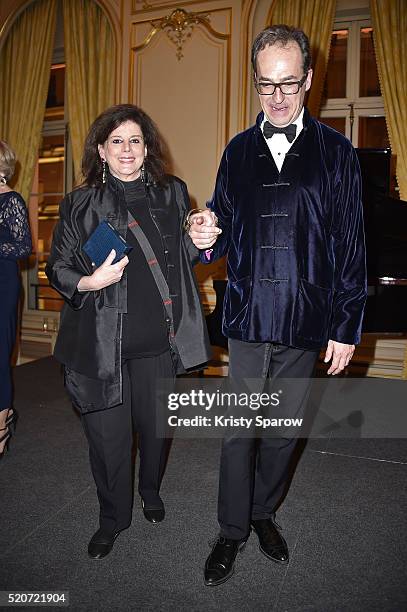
153, 515
220, 564
101, 544
271, 542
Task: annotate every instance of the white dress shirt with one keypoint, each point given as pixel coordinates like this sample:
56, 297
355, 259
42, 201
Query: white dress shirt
278, 143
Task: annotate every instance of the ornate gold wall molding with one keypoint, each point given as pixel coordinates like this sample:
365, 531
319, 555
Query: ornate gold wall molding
176, 93
179, 26
203, 20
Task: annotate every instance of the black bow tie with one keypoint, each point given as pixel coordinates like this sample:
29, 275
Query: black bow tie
289, 131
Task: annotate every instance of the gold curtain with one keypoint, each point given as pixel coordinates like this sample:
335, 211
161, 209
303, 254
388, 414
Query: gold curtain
25, 63
90, 68
389, 19
316, 18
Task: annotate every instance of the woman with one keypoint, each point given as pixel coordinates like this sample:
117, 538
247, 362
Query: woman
15, 243
115, 338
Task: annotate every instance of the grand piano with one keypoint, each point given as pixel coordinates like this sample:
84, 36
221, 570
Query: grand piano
386, 246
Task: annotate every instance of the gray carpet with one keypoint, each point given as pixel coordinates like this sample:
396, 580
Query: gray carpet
344, 519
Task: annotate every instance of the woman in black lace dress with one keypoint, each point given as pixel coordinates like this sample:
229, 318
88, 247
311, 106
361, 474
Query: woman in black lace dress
15, 243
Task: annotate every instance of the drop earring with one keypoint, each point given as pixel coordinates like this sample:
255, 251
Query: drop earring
104, 171
3, 180
143, 174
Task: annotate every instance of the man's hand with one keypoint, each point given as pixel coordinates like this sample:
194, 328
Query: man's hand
106, 274
340, 354
202, 229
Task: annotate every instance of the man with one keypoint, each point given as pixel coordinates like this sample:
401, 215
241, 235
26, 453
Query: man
287, 200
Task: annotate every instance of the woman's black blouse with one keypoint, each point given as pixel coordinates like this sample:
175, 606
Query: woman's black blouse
144, 328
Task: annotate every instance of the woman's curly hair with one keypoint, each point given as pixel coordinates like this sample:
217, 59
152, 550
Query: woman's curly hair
103, 126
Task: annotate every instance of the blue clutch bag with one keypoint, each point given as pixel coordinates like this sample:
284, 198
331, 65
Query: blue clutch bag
102, 241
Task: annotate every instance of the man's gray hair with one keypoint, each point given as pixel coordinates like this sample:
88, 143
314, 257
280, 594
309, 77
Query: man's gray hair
282, 35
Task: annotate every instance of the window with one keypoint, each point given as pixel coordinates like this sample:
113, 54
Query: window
52, 179
335, 81
352, 102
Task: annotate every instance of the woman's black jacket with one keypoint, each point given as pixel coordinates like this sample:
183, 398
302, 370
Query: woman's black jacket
89, 339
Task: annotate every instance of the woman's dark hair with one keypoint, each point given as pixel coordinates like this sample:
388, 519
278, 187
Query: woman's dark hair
104, 125
282, 35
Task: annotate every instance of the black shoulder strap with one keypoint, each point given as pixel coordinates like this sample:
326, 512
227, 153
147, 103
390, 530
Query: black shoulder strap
156, 271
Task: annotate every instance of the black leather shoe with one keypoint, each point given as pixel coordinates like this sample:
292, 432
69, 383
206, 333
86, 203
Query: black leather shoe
154, 515
220, 564
101, 544
271, 542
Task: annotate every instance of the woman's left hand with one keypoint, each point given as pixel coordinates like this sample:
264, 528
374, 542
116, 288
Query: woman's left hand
106, 274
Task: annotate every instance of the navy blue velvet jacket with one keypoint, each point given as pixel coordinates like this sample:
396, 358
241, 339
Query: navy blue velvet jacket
294, 239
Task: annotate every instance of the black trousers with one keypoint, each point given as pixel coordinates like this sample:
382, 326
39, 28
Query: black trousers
254, 470
110, 436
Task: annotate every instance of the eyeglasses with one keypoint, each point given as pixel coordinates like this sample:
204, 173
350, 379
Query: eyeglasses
289, 88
